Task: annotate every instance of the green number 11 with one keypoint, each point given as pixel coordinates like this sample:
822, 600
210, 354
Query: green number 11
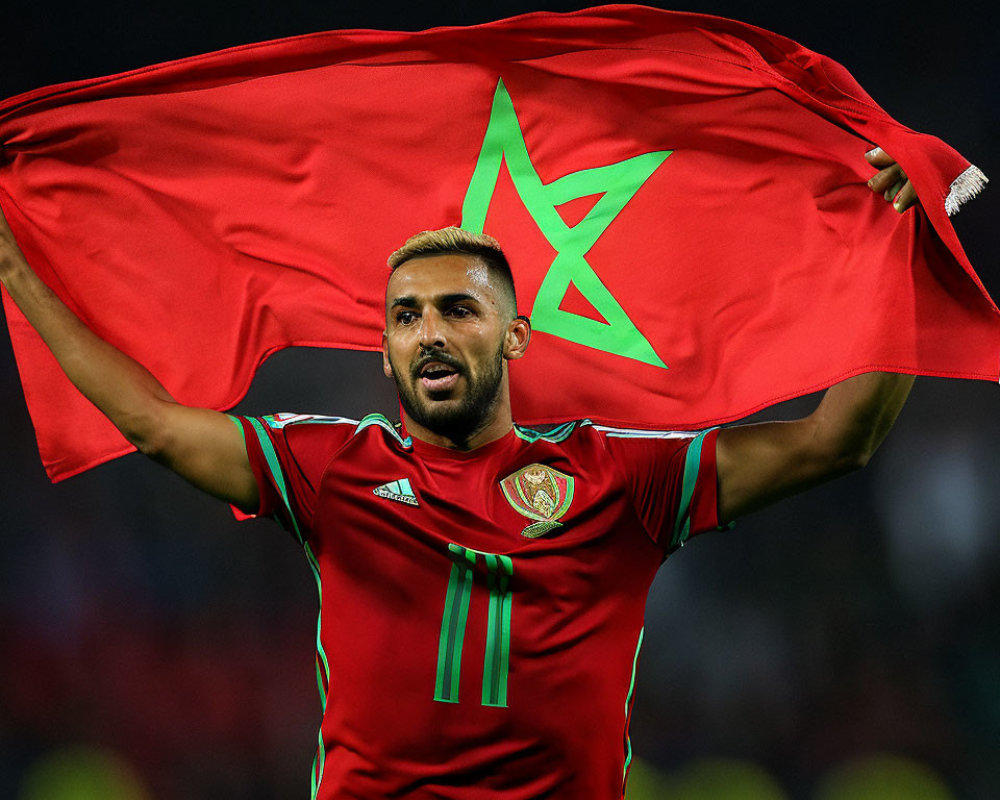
499, 570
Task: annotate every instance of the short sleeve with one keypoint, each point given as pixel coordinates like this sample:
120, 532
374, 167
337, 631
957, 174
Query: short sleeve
288, 454
672, 479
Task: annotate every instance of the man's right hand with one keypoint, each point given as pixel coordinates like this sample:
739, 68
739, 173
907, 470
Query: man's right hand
202, 446
890, 181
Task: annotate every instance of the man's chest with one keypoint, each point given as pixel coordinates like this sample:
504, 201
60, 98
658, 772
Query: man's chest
504, 568
529, 500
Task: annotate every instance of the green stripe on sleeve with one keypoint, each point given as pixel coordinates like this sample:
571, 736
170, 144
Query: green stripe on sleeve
692, 463
274, 465
239, 426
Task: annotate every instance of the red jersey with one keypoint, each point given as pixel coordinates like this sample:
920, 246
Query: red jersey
481, 612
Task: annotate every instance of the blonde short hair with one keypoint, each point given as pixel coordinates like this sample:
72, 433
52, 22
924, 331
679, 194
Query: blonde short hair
448, 240
454, 240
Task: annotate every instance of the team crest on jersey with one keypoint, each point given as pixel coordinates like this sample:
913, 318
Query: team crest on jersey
541, 493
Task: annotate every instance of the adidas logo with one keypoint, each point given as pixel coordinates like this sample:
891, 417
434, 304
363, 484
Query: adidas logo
399, 491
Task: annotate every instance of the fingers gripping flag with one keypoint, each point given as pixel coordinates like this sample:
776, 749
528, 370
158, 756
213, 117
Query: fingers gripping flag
682, 199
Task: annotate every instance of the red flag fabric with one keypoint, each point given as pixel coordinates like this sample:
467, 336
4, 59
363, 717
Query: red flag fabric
682, 198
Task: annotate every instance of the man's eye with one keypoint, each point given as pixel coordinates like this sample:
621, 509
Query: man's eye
405, 317
459, 311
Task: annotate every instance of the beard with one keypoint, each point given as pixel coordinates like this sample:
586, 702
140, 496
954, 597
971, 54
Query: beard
460, 421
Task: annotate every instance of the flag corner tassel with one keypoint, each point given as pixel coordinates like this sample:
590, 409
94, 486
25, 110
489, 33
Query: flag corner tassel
966, 186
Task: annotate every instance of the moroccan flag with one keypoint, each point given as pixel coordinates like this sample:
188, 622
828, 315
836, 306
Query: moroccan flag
682, 198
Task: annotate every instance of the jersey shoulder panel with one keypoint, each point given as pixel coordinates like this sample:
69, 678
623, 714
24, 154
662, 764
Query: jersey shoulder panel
671, 477
289, 454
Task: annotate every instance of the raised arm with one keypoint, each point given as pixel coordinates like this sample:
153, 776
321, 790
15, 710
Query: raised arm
760, 464
200, 445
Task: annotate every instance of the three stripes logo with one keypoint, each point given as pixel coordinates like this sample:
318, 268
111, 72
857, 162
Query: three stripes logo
399, 490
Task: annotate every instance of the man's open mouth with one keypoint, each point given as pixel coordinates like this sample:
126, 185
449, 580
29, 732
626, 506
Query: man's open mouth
437, 376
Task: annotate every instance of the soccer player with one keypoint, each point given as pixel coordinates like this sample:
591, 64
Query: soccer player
482, 584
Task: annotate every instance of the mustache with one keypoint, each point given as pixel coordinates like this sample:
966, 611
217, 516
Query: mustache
433, 354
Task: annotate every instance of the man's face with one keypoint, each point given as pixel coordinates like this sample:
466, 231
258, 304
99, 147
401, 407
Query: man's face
444, 343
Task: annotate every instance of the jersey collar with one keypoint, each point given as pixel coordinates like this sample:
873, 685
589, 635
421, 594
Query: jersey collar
433, 451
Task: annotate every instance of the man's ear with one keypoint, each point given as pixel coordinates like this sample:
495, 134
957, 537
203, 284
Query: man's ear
517, 337
386, 366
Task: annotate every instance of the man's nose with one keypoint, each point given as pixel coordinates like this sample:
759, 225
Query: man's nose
431, 330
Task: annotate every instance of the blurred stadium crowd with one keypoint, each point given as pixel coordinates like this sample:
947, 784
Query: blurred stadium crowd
841, 646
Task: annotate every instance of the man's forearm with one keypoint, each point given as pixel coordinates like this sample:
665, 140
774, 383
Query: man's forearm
121, 388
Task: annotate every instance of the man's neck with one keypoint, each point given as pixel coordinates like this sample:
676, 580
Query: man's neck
498, 427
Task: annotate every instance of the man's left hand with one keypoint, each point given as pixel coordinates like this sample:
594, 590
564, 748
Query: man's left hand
890, 181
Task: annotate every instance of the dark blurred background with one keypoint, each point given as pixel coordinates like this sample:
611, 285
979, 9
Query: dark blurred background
842, 646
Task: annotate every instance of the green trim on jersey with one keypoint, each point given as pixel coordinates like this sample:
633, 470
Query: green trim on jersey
274, 466
322, 662
381, 421
692, 463
558, 434
628, 705
236, 422
322, 672
273, 422
642, 433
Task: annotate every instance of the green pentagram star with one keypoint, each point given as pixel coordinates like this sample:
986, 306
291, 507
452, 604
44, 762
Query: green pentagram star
616, 183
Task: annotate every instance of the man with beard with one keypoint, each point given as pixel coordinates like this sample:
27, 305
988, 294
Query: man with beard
482, 584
